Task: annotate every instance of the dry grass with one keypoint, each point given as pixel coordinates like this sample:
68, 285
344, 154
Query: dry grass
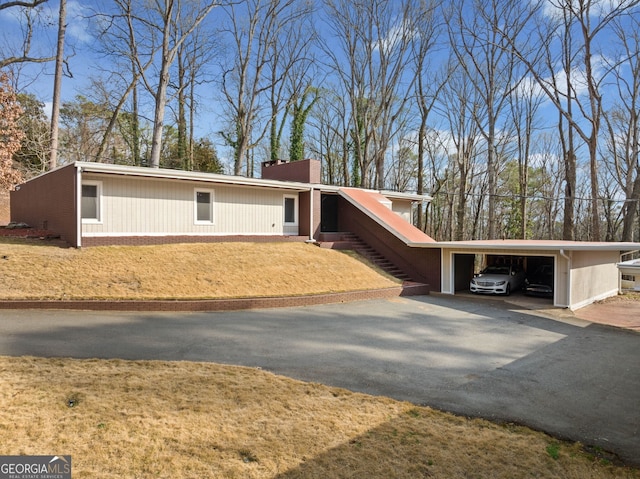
627, 296
148, 419
184, 271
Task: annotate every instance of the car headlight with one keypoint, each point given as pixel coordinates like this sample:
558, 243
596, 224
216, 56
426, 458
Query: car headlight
473, 281
500, 283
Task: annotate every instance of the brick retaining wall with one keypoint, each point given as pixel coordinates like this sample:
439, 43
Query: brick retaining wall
221, 304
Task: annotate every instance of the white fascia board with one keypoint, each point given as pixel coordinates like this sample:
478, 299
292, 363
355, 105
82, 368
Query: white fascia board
387, 194
405, 196
163, 173
631, 267
537, 245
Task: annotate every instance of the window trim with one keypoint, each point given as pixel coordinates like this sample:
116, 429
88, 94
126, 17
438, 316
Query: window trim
211, 220
98, 219
295, 210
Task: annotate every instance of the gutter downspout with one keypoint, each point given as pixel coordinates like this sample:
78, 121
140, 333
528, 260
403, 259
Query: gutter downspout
568, 258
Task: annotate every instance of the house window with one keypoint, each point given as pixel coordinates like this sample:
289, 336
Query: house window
91, 196
204, 206
290, 210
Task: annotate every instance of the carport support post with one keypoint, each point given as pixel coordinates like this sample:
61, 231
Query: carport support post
568, 258
311, 228
78, 192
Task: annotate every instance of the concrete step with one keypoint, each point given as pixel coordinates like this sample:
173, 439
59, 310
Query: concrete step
350, 241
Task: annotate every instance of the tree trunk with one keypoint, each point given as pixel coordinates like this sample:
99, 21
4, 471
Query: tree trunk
57, 85
420, 186
631, 211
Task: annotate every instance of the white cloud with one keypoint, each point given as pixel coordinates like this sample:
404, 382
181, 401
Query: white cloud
77, 20
48, 108
395, 37
599, 8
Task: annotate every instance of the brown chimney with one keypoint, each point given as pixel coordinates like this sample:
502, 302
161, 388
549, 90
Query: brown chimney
303, 171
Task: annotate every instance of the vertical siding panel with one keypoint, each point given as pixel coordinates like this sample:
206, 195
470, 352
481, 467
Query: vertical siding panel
157, 206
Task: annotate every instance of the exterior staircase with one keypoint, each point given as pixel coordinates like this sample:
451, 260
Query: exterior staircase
350, 241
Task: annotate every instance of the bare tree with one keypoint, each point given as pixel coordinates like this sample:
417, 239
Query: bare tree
192, 56
623, 123
149, 36
547, 184
480, 42
524, 103
57, 84
402, 171
119, 33
581, 22
255, 29
426, 90
584, 12
371, 58
459, 104
31, 4
24, 54
291, 81
437, 160
177, 21
330, 135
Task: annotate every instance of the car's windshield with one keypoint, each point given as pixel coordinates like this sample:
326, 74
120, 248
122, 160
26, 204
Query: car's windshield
496, 270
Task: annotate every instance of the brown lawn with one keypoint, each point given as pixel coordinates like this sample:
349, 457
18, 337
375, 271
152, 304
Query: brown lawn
147, 419
35, 270
152, 419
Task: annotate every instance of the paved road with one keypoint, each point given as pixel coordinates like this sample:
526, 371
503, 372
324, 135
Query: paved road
477, 358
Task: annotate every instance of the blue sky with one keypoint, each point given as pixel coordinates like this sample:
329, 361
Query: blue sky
83, 61
37, 78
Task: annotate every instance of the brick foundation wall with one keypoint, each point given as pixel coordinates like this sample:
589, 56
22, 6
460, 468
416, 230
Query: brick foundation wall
222, 304
156, 240
48, 202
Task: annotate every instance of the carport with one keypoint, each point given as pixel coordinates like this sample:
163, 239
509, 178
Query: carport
584, 272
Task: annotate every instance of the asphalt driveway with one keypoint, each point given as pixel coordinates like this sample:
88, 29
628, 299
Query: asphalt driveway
477, 358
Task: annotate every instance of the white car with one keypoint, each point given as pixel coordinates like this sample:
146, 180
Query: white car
498, 279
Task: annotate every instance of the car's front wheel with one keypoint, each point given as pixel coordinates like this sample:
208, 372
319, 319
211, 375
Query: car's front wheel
507, 290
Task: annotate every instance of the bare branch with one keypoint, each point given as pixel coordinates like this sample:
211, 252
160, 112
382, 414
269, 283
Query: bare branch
17, 3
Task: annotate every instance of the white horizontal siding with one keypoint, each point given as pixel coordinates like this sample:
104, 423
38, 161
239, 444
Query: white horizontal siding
139, 206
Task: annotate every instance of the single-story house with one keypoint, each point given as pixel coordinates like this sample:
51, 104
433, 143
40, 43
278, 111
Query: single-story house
91, 204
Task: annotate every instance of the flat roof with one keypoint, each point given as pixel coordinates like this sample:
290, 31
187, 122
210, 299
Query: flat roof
166, 173
415, 197
511, 244
632, 266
